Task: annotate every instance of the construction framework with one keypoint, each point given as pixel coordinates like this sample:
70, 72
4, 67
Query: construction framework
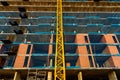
28, 39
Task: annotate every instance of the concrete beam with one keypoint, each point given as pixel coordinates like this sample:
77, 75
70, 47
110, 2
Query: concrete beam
112, 76
17, 76
80, 76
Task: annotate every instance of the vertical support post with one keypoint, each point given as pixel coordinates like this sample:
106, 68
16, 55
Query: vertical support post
17, 76
50, 61
1, 60
112, 76
50, 50
80, 76
49, 76
50, 73
93, 61
30, 54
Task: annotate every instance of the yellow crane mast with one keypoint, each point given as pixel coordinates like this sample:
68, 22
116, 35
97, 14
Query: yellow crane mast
59, 70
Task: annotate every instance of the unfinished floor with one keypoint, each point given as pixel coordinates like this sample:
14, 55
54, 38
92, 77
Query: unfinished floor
28, 38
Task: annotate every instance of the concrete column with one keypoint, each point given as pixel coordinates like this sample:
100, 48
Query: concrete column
17, 76
80, 76
112, 76
50, 61
49, 76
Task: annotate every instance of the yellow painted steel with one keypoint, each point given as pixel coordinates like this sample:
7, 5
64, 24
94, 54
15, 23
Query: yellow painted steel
59, 70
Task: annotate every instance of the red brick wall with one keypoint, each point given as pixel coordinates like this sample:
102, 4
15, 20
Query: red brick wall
82, 61
109, 49
113, 61
19, 62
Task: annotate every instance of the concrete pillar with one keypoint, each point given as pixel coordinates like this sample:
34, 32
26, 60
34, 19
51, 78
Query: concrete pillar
50, 51
80, 76
51, 61
17, 76
112, 76
49, 76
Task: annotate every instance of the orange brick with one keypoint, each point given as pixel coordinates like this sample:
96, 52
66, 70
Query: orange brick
113, 61
107, 38
83, 61
111, 50
19, 62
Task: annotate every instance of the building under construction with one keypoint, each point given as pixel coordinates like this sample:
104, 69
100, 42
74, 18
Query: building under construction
91, 39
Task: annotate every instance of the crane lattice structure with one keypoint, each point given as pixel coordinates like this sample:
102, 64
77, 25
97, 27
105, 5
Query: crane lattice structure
59, 72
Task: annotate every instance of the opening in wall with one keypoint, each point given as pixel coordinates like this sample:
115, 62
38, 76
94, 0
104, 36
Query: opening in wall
118, 48
90, 60
26, 61
114, 39
10, 61
86, 39
88, 49
28, 50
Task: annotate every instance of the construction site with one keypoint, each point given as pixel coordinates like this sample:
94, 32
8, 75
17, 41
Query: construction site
59, 39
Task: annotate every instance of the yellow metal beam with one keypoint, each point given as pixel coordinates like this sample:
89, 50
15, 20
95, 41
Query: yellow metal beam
59, 72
